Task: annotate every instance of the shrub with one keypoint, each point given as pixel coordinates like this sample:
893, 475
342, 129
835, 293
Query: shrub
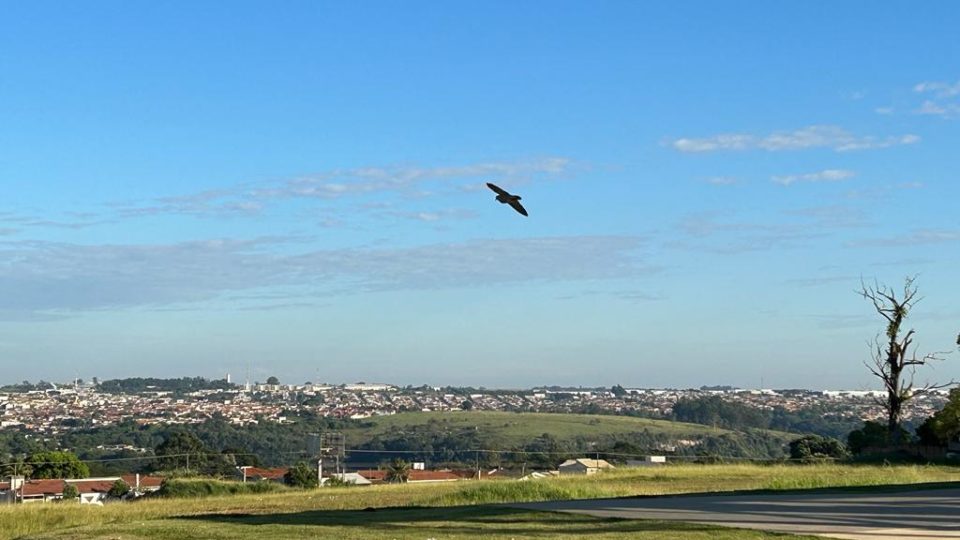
70, 493
872, 435
118, 489
815, 447
180, 488
301, 475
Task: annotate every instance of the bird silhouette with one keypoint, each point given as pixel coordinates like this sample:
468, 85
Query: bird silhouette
506, 198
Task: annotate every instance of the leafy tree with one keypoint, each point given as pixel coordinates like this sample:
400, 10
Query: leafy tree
151, 384
466, 405
301, 475
16, 468
927, 435
872, 435
273, 380
241, 458
714, 411
945, 423
70, 493
815, 447
181, 449
893, 356
398, 471
57, 464
618, 391
118, 489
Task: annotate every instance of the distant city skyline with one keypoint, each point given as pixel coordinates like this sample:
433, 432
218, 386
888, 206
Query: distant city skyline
199, 188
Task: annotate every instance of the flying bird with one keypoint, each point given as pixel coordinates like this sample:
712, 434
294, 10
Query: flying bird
506, 198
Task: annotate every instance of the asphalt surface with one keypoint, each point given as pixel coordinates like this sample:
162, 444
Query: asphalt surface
913, 515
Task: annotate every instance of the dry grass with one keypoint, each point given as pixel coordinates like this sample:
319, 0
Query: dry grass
154, 518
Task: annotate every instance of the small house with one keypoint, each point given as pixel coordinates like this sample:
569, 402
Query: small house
584, 466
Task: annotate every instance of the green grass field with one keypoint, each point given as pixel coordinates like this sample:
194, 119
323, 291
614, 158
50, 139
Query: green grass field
457, 510
507, 429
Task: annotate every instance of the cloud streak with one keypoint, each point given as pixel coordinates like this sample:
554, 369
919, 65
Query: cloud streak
943, 103
816, 136
938, 88
827, 175
409, 181
915, 238
46, 277
731, 238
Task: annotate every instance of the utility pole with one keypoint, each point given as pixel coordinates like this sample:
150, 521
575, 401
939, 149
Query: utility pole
333, 444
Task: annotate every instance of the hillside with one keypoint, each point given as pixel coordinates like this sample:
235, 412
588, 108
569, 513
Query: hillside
543, 439
508, 429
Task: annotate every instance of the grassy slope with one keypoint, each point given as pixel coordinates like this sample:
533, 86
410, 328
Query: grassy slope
467, 523
511, 429
437, 511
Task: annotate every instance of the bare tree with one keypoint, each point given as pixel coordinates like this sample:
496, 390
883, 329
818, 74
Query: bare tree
895, 358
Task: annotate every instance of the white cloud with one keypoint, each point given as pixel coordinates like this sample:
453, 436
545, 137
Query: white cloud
827, 175
435, 215
939, 109
884, 110
58, 278
938, 88
832, 216
817, 136
248, 199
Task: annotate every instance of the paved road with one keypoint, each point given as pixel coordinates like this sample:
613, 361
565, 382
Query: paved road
913, 515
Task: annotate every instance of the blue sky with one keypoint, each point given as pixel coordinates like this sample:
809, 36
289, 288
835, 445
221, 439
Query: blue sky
196, 188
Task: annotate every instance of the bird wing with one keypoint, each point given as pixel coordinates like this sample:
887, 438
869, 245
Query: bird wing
499, 190
518, 207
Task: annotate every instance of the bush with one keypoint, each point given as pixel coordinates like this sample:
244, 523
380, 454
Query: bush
872, 435
301, 475
815, 447
70, 493
335, 481
211, 488
118, 489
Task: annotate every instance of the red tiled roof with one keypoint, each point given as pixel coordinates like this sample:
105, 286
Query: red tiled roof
276, 473
145, 481
93, 486
415, 476
42, 487
432, 476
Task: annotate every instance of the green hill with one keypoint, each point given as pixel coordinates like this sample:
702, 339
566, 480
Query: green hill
507, 429
451, 435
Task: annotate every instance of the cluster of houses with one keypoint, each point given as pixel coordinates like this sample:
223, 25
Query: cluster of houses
58, 410
96, 491
418, 474
17, 489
